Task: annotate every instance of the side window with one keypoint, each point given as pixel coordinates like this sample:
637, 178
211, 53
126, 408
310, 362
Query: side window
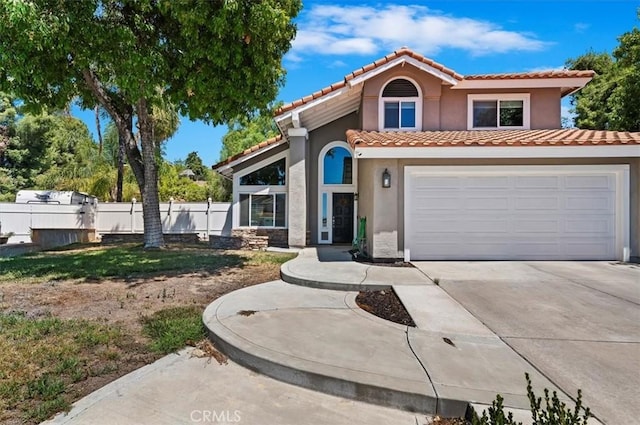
262, 197
400, 106
273, 174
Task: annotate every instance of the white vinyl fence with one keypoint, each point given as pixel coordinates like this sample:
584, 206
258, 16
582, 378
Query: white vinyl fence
204, 218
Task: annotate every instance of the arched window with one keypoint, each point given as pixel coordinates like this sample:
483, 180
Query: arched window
337, 166
400, 105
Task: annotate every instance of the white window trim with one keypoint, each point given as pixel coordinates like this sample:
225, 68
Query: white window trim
331, 188
266, 193
417, 100
259, 190
526, 109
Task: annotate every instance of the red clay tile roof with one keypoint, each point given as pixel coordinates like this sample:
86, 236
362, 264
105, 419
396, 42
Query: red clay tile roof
561, 137
565, 73
367, 68
254, 148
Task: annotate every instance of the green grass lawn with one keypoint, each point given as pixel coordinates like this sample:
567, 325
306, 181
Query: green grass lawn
46, 363
41, 358
124, 261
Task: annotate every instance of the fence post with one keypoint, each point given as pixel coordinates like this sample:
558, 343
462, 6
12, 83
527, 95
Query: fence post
133, 215
208, 213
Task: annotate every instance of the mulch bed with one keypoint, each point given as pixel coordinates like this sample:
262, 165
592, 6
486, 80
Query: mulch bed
386, 305
364, 259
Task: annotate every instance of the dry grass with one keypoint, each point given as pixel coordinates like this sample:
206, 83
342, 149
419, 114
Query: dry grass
65, 334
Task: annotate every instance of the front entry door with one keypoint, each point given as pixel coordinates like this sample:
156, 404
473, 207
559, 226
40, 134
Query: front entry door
342, 217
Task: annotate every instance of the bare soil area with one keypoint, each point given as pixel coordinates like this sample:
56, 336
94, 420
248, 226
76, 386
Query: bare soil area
123, 302
386, 305
117, 304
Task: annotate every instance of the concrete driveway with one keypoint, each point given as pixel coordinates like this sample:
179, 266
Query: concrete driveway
576, 322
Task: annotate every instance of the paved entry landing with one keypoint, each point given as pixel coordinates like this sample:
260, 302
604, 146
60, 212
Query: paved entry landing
576, 322
332, 267
321, 339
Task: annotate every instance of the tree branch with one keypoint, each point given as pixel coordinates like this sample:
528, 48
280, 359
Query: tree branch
122, 116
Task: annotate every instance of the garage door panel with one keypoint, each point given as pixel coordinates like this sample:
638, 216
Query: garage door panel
523, 226
487, 182
523, 213
424, 204
537, 182
438, 182
591, 226
581, 248
536, 202
487, 203
590, 202
589, 182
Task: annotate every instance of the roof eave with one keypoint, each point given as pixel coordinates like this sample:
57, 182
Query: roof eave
523, 83
227, 170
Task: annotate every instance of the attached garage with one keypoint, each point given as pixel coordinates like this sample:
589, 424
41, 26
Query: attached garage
573, 212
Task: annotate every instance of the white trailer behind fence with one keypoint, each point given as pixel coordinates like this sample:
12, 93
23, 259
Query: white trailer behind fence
204, 218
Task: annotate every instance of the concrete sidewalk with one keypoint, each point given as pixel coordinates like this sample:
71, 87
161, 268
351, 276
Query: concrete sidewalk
332, 267
320, 339
180, 389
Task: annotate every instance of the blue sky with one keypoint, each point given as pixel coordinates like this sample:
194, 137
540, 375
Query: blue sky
469, 36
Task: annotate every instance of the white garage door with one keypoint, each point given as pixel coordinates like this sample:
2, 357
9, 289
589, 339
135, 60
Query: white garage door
515, 212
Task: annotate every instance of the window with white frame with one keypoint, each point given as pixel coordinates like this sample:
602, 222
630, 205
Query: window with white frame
498, 111
400, 106
257, 210
261, 195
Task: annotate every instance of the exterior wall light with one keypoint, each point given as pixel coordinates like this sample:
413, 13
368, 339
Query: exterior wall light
386, 179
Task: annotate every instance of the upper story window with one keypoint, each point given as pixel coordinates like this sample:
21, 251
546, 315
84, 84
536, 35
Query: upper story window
400, 106
273, 174
498, 111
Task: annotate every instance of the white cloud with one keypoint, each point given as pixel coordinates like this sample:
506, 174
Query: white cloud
337, 64
364, 30
581, 27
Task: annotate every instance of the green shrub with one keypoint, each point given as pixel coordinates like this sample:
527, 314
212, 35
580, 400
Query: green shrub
553, 412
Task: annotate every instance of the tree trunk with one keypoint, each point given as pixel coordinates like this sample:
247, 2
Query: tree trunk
120, 178
143, 165
98, 129
153, 237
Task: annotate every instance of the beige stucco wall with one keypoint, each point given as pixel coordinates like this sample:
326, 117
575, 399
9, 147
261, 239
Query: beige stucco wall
544, 103
445, 108
430, 87
386, 216
366, 171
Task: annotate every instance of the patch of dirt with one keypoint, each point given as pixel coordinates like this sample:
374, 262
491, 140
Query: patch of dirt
386, 305
361, 258
447, 421
122, 303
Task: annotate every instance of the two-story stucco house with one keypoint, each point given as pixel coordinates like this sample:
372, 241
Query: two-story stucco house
444, 167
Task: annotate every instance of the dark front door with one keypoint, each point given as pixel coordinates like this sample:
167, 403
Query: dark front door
342, 217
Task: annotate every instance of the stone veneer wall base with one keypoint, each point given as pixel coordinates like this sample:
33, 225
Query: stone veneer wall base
251, 239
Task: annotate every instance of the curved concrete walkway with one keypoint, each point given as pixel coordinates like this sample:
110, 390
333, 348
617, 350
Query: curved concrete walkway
332, 267
320, 339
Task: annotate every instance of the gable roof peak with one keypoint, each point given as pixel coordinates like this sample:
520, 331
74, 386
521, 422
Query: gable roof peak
367, 69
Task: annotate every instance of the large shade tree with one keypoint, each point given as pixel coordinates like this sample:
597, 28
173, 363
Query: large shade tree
612, 100
212, 59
